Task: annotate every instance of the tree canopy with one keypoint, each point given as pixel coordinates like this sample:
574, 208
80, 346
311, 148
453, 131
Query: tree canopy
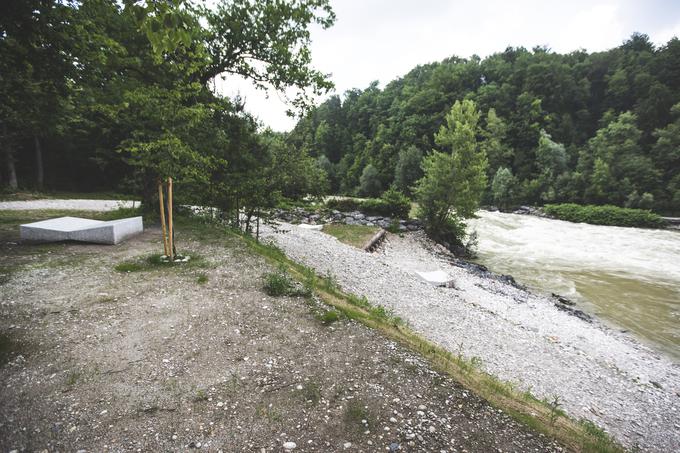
588, 128
104, 94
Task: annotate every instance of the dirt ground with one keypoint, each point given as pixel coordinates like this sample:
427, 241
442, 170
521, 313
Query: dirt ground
170, 359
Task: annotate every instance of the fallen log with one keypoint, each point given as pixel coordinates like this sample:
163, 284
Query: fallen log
374, 241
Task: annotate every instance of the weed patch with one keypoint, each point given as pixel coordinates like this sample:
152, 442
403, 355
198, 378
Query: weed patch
154, 261
311, 392
280, 283
357, 416
354, 235
330, 317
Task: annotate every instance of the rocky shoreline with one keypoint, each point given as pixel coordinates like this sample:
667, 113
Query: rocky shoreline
303, 216
320, 217
541, 343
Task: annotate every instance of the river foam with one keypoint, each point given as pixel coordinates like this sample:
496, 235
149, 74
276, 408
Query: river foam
629, 276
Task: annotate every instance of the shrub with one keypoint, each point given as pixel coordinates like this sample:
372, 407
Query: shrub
397, 204
277, 284
330, 317
392, 204
604, 215
343, 204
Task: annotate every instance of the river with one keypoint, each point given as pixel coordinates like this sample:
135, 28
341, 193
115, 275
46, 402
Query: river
629, 277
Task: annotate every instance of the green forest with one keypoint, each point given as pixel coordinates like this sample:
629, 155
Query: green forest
105, 95
101, 95
601, 128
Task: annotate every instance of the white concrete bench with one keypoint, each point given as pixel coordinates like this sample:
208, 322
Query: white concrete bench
83, 230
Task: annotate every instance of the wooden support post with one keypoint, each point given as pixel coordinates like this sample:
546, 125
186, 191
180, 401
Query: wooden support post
170, 227
162, 213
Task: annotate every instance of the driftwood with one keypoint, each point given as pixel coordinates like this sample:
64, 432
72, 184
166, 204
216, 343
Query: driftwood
374, 241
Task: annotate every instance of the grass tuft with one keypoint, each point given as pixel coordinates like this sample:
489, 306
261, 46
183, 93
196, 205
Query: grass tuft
330, 317
155, 261
354, 235
280, 283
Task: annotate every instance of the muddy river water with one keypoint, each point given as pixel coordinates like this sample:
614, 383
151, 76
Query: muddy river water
629, 277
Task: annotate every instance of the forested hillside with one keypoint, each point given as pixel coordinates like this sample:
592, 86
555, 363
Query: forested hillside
589, 128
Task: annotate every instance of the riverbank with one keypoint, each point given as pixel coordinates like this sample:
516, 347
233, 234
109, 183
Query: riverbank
518, 336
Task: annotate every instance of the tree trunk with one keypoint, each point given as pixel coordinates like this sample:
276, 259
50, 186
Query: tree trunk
11, 169
257, 234
39, 169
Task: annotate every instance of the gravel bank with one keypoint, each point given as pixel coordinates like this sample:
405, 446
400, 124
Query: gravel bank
76, 205
599, 374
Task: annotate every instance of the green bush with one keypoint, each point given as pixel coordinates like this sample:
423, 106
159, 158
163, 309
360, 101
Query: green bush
398, 204
604, 215
343, 204
280, 283
392, 204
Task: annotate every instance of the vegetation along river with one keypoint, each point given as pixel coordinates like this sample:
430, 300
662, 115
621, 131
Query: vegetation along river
627, 276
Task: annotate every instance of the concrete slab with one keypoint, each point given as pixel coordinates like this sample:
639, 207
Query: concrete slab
83, 230
436, 278
306, 226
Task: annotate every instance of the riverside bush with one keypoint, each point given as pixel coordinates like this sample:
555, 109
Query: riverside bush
392, 204
343, 204
604, 215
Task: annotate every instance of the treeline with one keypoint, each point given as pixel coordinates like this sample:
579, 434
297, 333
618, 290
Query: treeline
599, 128
106, 94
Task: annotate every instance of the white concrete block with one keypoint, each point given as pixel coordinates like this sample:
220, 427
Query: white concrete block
437, 278
84, 230
306, 226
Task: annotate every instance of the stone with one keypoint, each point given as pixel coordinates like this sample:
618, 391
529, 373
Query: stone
305, 226
289, 445
82, 230
436, 278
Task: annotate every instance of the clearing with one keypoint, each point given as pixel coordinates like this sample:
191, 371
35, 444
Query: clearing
155, 358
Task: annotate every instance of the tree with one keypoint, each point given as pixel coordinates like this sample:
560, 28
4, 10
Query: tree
369, 183
267, 42
408, 169
503, 187
620, 166
666, 153
551, 161
455, 179
497, 152
33, 78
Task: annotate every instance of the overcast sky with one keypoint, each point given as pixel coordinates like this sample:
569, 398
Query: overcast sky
384, 39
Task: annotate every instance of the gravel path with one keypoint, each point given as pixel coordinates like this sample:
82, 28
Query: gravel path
78, 205
599, 373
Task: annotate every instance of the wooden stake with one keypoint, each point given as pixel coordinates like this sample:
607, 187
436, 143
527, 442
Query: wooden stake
171, 231
162, 212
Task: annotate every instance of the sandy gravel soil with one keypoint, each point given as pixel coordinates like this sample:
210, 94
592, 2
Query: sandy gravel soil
97, 360
598, 373
76, 205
